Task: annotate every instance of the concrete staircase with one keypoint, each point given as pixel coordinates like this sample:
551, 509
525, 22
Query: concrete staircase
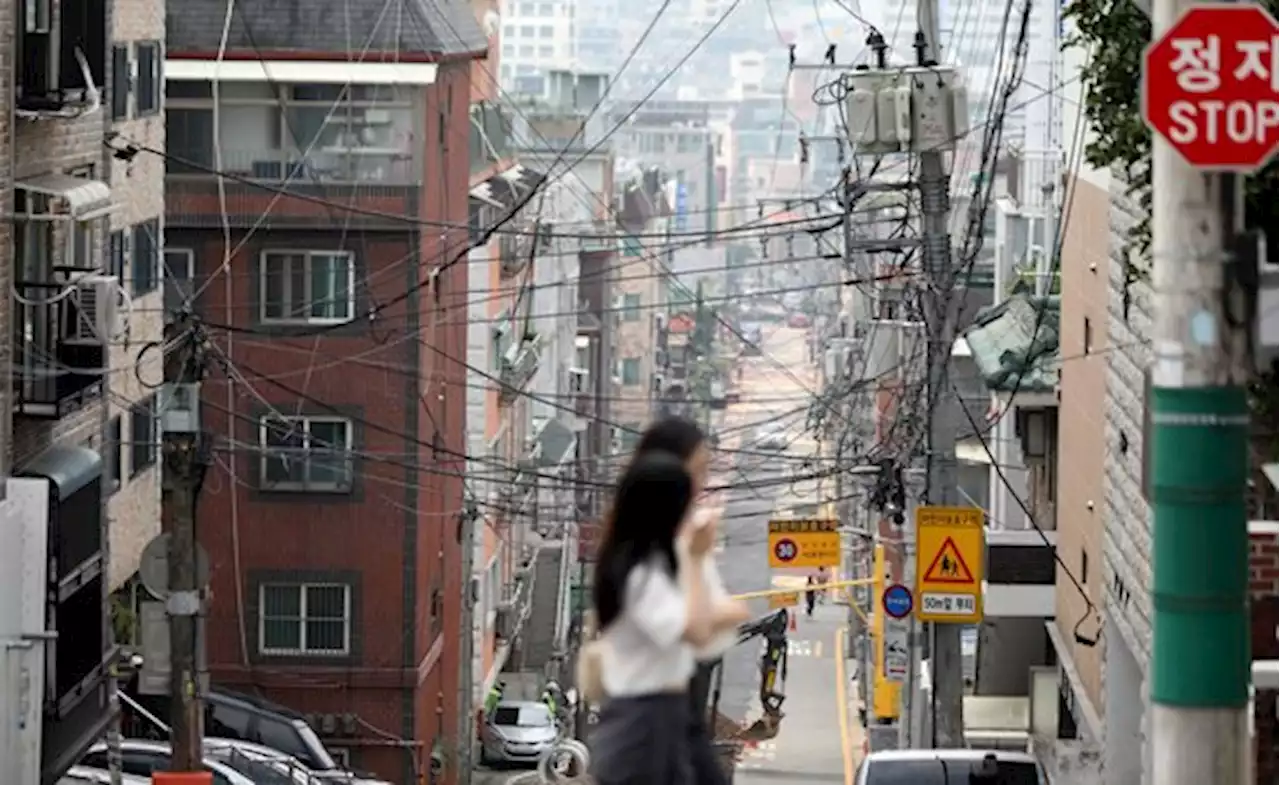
538, 637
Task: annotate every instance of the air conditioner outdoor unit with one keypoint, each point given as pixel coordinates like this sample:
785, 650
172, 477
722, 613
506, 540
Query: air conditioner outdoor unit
91, 321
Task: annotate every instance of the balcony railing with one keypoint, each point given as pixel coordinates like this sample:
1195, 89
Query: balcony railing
514, 252
323, 166
294, 190
53, 376
519, 368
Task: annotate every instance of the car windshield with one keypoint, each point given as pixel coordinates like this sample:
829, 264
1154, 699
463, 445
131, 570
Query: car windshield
955, 772
522, 716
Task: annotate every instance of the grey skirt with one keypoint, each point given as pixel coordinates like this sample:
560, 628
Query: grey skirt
643, 740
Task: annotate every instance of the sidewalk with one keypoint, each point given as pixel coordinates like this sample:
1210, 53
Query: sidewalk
810, 743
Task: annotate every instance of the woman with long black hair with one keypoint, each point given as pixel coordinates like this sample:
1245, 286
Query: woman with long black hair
653, 609
685, 440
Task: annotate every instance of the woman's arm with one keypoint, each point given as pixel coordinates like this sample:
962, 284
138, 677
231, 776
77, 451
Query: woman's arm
700, 617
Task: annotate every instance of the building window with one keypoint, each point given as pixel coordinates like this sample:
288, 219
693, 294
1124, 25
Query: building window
340, 755
526, 31
308, 287
179, 277
1088, 336
142, 435
149, 81
112, 453
146, 249
546, 51
120, 79
306, 454
304, 618
117, 254
526, 50
546, 31
631, 370
631, 304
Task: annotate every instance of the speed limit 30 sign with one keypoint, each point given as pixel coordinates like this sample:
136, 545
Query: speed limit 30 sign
804, 543
1210, 86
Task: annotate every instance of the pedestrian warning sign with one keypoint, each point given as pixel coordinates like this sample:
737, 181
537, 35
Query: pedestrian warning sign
948, 566
950, 551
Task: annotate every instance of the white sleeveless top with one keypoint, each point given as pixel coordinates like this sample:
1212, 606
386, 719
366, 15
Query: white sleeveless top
643, 651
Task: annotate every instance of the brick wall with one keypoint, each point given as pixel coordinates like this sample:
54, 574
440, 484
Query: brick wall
1264, 563
7, 11
138, 188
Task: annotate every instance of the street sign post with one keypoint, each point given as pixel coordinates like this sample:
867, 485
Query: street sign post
897, 601
1209, 86
950, 544
897, 650
804, 543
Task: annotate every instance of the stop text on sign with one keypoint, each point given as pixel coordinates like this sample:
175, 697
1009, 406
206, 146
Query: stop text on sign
1210, 86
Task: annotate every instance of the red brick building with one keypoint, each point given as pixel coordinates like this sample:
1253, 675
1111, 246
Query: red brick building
337, 399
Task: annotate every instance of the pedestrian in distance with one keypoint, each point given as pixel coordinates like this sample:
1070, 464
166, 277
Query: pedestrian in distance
653, 611
824, 577
686, 441
810, 595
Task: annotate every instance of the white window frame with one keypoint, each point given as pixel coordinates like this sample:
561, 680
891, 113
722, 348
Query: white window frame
268, 422
303, 650
492, 591
265, 269
188, 263
341, 756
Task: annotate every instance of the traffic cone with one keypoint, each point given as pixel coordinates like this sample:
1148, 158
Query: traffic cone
792, 618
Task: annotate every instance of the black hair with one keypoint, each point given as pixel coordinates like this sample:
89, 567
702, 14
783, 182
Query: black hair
652, 499
674, 435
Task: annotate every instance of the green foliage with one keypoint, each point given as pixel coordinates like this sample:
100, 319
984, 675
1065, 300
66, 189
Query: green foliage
1115, 31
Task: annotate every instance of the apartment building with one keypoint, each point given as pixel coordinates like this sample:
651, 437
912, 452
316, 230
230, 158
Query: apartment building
1081, 439
537, 36
643, 219
82, 308
677, 136
331, 563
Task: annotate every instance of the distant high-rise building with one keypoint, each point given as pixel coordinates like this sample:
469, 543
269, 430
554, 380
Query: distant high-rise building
537, 37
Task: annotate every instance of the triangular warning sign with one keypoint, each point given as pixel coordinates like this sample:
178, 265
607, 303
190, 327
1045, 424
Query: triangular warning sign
948, 566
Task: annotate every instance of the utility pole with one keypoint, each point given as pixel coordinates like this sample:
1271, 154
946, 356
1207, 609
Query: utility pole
470, 539
1200, 674
941, 309
185, 463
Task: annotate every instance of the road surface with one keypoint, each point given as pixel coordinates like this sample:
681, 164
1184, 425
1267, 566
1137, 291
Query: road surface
776, 387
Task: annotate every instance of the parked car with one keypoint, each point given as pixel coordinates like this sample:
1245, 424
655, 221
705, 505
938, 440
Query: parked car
949, 767
141, 757
84, 775
233, 715
518, 732
772, 436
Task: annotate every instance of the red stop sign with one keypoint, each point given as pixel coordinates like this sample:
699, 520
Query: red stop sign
1209, 86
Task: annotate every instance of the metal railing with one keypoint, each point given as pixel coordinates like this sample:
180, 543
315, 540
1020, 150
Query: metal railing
325, 166
51, 375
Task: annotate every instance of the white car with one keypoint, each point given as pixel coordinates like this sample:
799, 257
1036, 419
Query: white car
141, 758
83, 775
772, 437
261, 762
949, 767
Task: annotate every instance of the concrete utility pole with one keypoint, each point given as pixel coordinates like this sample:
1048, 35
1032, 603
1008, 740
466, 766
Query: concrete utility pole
1198, 474
469, 535
185, 463
940, 306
